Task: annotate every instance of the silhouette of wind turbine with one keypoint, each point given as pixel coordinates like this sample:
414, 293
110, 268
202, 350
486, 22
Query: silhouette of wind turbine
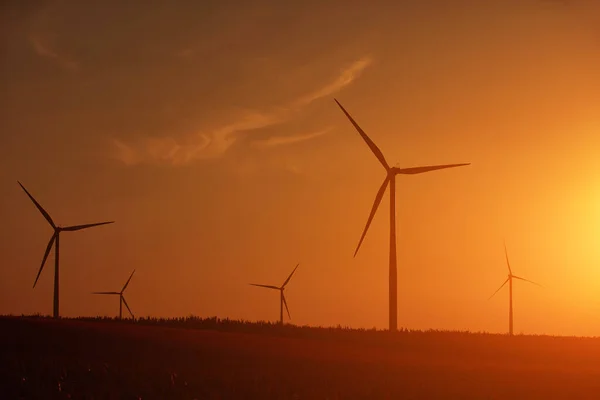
121, 297
510, 291
282, 301
391, 179
54, 240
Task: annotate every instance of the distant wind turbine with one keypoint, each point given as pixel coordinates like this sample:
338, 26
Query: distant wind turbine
282, 301
390, 178
510, 291
121, 297
55, 240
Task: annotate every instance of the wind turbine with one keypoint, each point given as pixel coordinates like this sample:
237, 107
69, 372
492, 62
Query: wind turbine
282, 301
390, 179
121, 297
55, 240
510, 291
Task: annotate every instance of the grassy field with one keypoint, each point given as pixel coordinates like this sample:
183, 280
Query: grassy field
79, 359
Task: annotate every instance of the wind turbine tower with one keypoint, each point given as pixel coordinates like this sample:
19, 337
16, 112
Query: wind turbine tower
121, 297
510, 291
281, 289
390, 179
55, 240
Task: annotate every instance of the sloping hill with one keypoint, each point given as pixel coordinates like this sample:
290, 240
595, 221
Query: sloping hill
43, 358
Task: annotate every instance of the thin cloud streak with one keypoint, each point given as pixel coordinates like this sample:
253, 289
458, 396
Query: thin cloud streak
124, 153
346, 77
44, 50
213, 144
289, 139
200, 146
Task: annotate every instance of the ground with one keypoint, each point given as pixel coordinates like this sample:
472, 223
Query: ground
47, 359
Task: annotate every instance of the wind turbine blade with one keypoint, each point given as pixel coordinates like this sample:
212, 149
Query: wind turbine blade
499, 288
39, 207
286, 306
106, 293
289, 277
526, 280
127, 283
378, 198
126, 305
420, 170
48, 248
266, 286
507, 262
79, 227
369, 142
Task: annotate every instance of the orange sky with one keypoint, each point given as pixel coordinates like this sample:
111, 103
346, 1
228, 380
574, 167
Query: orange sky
210, 134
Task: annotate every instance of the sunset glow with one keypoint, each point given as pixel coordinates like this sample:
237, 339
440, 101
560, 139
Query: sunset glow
210, 134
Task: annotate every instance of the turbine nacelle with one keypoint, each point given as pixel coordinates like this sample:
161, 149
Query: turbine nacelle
59, 228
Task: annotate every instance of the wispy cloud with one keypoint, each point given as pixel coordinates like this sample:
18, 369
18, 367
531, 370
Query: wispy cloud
202, 145
346, 77
247, 167
125, 153
216, 142
274, 141
44, 49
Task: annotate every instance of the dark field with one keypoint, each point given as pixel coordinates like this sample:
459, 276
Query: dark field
46, 359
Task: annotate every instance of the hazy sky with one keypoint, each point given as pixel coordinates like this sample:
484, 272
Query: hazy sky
208, 131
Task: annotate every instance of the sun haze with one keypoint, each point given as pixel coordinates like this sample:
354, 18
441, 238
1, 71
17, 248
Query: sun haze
209, 133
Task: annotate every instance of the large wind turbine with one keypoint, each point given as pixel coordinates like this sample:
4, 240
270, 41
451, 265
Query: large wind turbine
54, 240
390, 179
121, 297
282, 301
510, 283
